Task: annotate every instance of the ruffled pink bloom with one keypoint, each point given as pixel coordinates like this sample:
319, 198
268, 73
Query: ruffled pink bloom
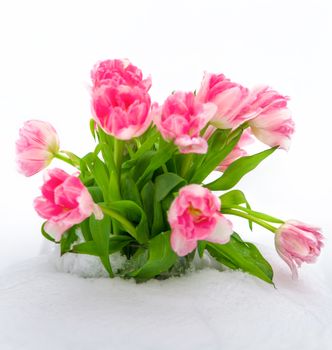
181, 118
121, 72
230, 98
195, 215
273, 124
120, 99
64, 202
238, 151
297, 242
37, 144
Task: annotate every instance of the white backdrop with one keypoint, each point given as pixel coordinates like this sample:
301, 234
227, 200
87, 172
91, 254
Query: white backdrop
48, 48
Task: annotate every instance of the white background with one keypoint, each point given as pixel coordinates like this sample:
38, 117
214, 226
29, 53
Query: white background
47, 49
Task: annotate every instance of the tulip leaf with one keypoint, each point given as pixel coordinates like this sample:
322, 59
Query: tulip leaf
67, 239
46, 235
234, 173
129, 189
145, 147
100, 231
147, 195
116, 243
161, 258
96, 194
237, 254
235, 197
212, 160
159, 158
165, 183
135, 214
85, 229
92, 126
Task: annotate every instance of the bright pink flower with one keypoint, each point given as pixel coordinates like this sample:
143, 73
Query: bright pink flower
181, 118
237, 151
195, 215
64, 202
36, 146
120, 99
230, 98
297, 242
273, 125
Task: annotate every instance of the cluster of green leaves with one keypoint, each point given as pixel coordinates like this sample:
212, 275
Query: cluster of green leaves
135, 182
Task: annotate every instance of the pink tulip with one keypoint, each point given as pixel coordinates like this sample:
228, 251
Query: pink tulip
195, 215
36, 146
230, 98
297, 242
181, 118
120, 99
273, 124
120, 71
238, 151
64, 202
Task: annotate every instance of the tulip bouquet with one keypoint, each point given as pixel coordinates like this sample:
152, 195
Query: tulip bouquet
143, 191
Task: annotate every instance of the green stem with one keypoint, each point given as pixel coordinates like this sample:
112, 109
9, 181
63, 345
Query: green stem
185, 165
249, 217
127, 225
118, 154
257, 214
65, 159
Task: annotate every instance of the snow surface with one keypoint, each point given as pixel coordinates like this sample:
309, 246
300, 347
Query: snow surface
42, 308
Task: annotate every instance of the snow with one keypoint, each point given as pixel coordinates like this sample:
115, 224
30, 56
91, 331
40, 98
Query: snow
43, 308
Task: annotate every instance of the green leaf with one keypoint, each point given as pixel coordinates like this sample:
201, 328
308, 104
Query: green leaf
129, 189
96, 194
145, 147
147, 195
161, 258
165, 183
235, 197
200, 248
141, 164
158, 224
93, 128
85, 229
237, 170
214, 158
46, 235
89, 248
67, 239
238, 254
101, 176
116, 243
159, 159
93, 165
101, 230
135, 214
135, 262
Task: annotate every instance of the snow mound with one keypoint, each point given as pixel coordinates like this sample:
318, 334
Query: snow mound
42, 308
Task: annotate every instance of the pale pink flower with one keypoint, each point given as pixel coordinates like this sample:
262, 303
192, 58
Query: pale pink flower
64, 202
238, 151
120, 99
297, 242
181, 118
273, 124
195, 215
37, 144
230, 98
